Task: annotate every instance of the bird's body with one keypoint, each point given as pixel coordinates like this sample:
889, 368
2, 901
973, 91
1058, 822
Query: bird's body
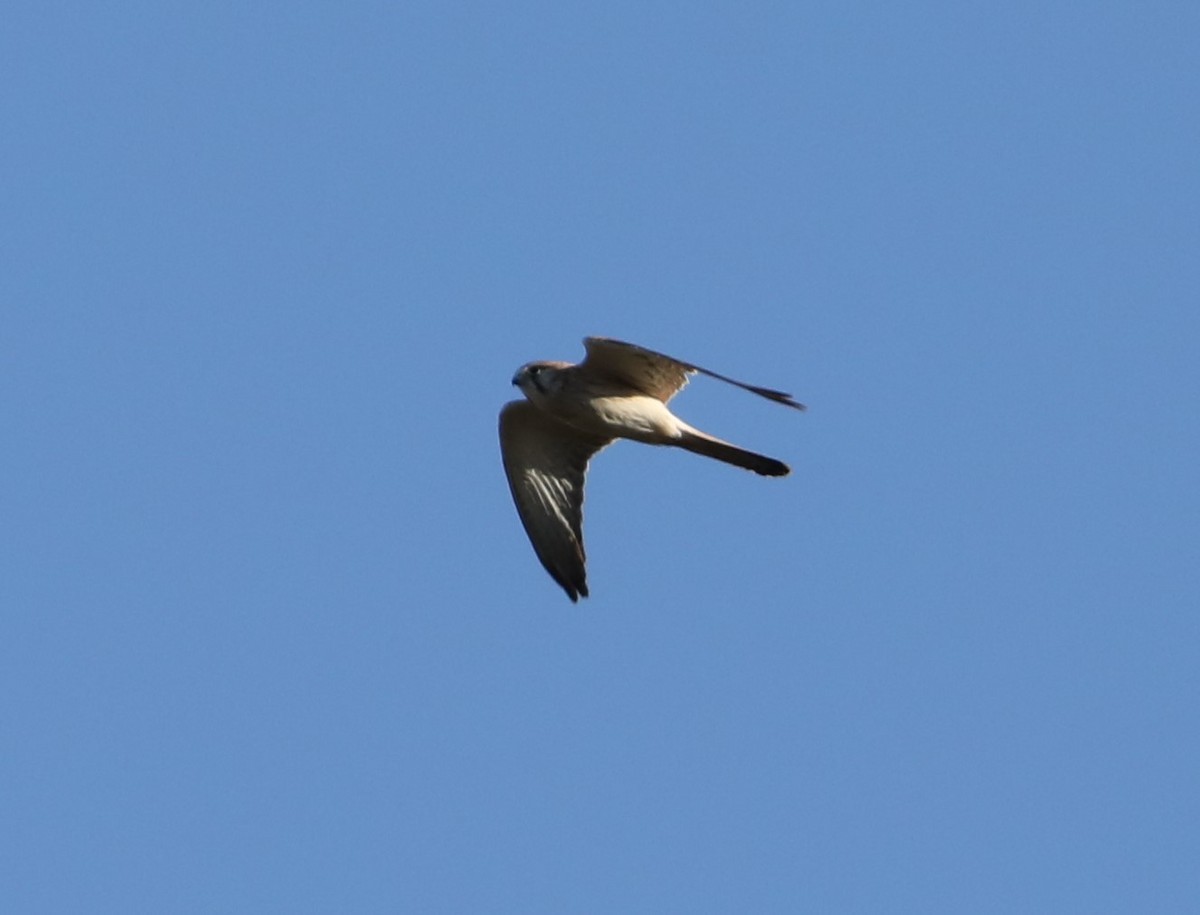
571, 412
599, 407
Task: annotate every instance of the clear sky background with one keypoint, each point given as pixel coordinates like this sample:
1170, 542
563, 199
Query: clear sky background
272, 638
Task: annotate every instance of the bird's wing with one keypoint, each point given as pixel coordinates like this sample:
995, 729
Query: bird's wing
545, 462
655, 374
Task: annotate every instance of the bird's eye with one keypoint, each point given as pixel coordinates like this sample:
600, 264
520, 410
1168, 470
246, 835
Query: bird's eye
534, 369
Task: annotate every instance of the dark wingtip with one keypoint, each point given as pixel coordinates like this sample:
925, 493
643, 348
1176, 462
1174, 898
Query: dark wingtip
779, 397
773, 468
574, 589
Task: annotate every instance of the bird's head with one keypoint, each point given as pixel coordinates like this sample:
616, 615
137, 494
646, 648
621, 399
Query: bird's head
538, 379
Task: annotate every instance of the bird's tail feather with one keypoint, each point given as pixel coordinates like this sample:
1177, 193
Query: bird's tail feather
699, 443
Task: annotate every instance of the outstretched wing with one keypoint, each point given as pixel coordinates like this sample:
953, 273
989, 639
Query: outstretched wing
545, 462
655, 374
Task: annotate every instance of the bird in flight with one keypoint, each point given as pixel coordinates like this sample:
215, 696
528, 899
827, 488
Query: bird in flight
572, 411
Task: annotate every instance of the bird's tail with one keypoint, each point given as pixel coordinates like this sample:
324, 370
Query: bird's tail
699, 443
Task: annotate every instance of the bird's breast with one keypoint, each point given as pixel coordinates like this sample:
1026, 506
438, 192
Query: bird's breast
641, 418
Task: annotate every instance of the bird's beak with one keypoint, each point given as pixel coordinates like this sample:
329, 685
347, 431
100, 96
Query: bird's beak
516, 380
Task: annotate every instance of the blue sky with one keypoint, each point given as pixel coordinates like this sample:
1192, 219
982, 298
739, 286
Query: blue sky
272, 637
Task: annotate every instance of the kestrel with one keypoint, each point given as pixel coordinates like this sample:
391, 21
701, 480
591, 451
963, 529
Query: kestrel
571, 412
